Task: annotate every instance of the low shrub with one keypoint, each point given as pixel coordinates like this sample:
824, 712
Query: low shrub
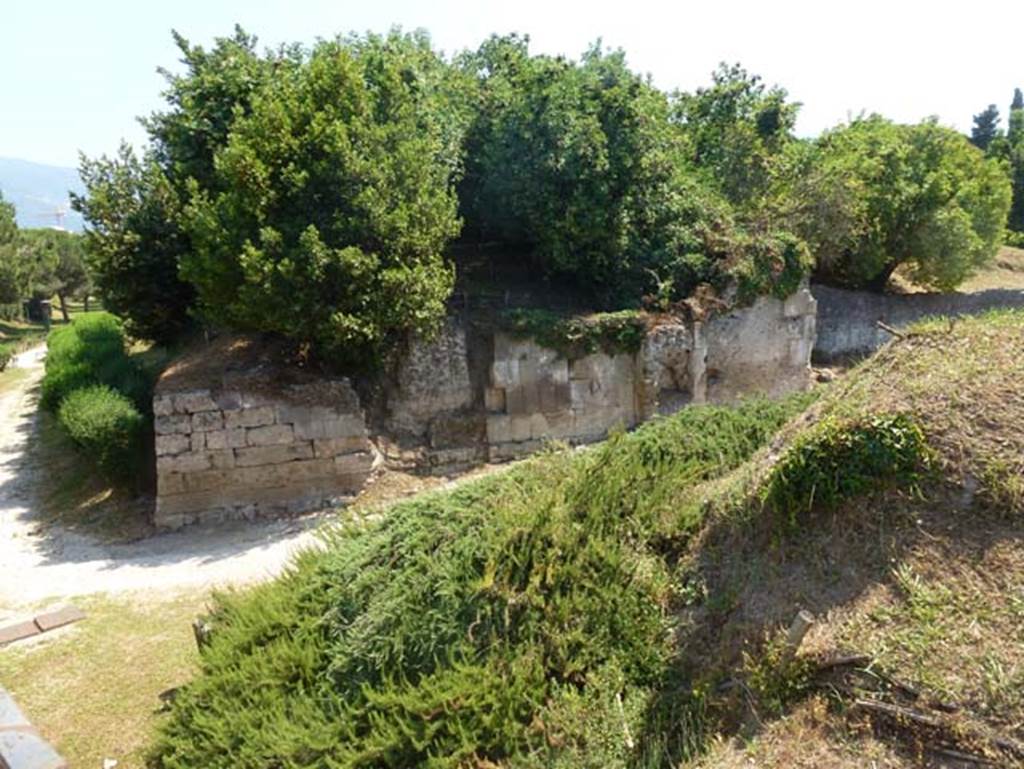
90, 351
1015, 239
6, 353
574, 337
106, 426
519, 620
838, 460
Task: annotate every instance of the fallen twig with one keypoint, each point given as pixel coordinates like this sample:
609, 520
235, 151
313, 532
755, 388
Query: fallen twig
890, 330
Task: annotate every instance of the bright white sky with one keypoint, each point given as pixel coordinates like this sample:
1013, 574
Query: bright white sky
75, 74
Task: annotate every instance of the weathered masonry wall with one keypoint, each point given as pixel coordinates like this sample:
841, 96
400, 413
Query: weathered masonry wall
848, 320
234, 440
243, 453
534, 395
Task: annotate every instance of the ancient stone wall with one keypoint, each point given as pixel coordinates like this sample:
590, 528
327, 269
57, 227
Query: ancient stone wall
764, 348
239, 435
848, 320
242, 454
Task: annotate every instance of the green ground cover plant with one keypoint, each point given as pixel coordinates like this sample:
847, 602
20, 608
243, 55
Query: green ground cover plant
574, 337
499, 622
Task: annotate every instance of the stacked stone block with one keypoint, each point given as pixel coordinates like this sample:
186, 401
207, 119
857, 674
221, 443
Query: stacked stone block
537, 395
237, 454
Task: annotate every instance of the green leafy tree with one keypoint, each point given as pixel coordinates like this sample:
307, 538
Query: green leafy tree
578, 165
986, 127
737, 130
1014, 151
332, 202
9, 289
133, 206
914, 195
57, 265
203, 102
134, 241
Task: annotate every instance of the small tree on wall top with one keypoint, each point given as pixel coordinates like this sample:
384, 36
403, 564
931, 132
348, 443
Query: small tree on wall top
332, 202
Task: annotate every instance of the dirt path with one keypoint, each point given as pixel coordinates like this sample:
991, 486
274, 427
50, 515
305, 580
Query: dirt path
39, 562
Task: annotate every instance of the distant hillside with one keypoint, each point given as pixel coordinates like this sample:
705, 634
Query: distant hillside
38, 191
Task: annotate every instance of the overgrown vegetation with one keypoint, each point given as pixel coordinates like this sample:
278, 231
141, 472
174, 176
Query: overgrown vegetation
90, 351
37, 264
314, 193
840, 460
106, 426
617, 606
497, 622
574, 337
98, 392
6, 353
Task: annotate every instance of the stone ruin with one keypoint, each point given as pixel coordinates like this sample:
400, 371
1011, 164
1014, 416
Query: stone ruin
238, 448
239, 437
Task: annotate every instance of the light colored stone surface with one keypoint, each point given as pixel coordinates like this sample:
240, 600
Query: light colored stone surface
250, 417
761, 349
847, 321
270, 451
257, 458
272, 455
171, 444
270, 435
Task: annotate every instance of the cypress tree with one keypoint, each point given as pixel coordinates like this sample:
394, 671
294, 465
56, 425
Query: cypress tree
986, 127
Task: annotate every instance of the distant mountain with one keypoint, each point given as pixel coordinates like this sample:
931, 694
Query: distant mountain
39, 192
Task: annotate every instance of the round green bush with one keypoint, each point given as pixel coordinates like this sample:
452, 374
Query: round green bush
106, 426
89, 351
839, 460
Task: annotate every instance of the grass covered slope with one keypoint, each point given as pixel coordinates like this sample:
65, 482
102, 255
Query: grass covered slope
921, 575
623, 606
521, 619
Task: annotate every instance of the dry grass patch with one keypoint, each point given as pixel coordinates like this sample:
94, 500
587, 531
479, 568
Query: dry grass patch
93, 689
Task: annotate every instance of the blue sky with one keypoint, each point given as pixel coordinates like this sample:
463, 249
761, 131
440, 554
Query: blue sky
76, 74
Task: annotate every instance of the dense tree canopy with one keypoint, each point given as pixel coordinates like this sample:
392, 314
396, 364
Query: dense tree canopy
9, 293
314, 193
53, 263
577, 165
986, 127
332, 202
135, 241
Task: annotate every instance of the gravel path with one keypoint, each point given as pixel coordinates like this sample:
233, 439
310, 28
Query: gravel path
41, 562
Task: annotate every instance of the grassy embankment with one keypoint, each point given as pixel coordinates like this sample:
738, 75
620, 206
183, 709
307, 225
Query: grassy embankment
621, 607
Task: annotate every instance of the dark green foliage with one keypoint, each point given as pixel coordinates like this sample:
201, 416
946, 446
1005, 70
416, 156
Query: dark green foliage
90, 351
772, 264
574, 337
6, 353
51, 262
1015, 151
986, 127
134, 243
839, 460
577, 162
497, 622
332, 203
736, 131
10, 282
107, 428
